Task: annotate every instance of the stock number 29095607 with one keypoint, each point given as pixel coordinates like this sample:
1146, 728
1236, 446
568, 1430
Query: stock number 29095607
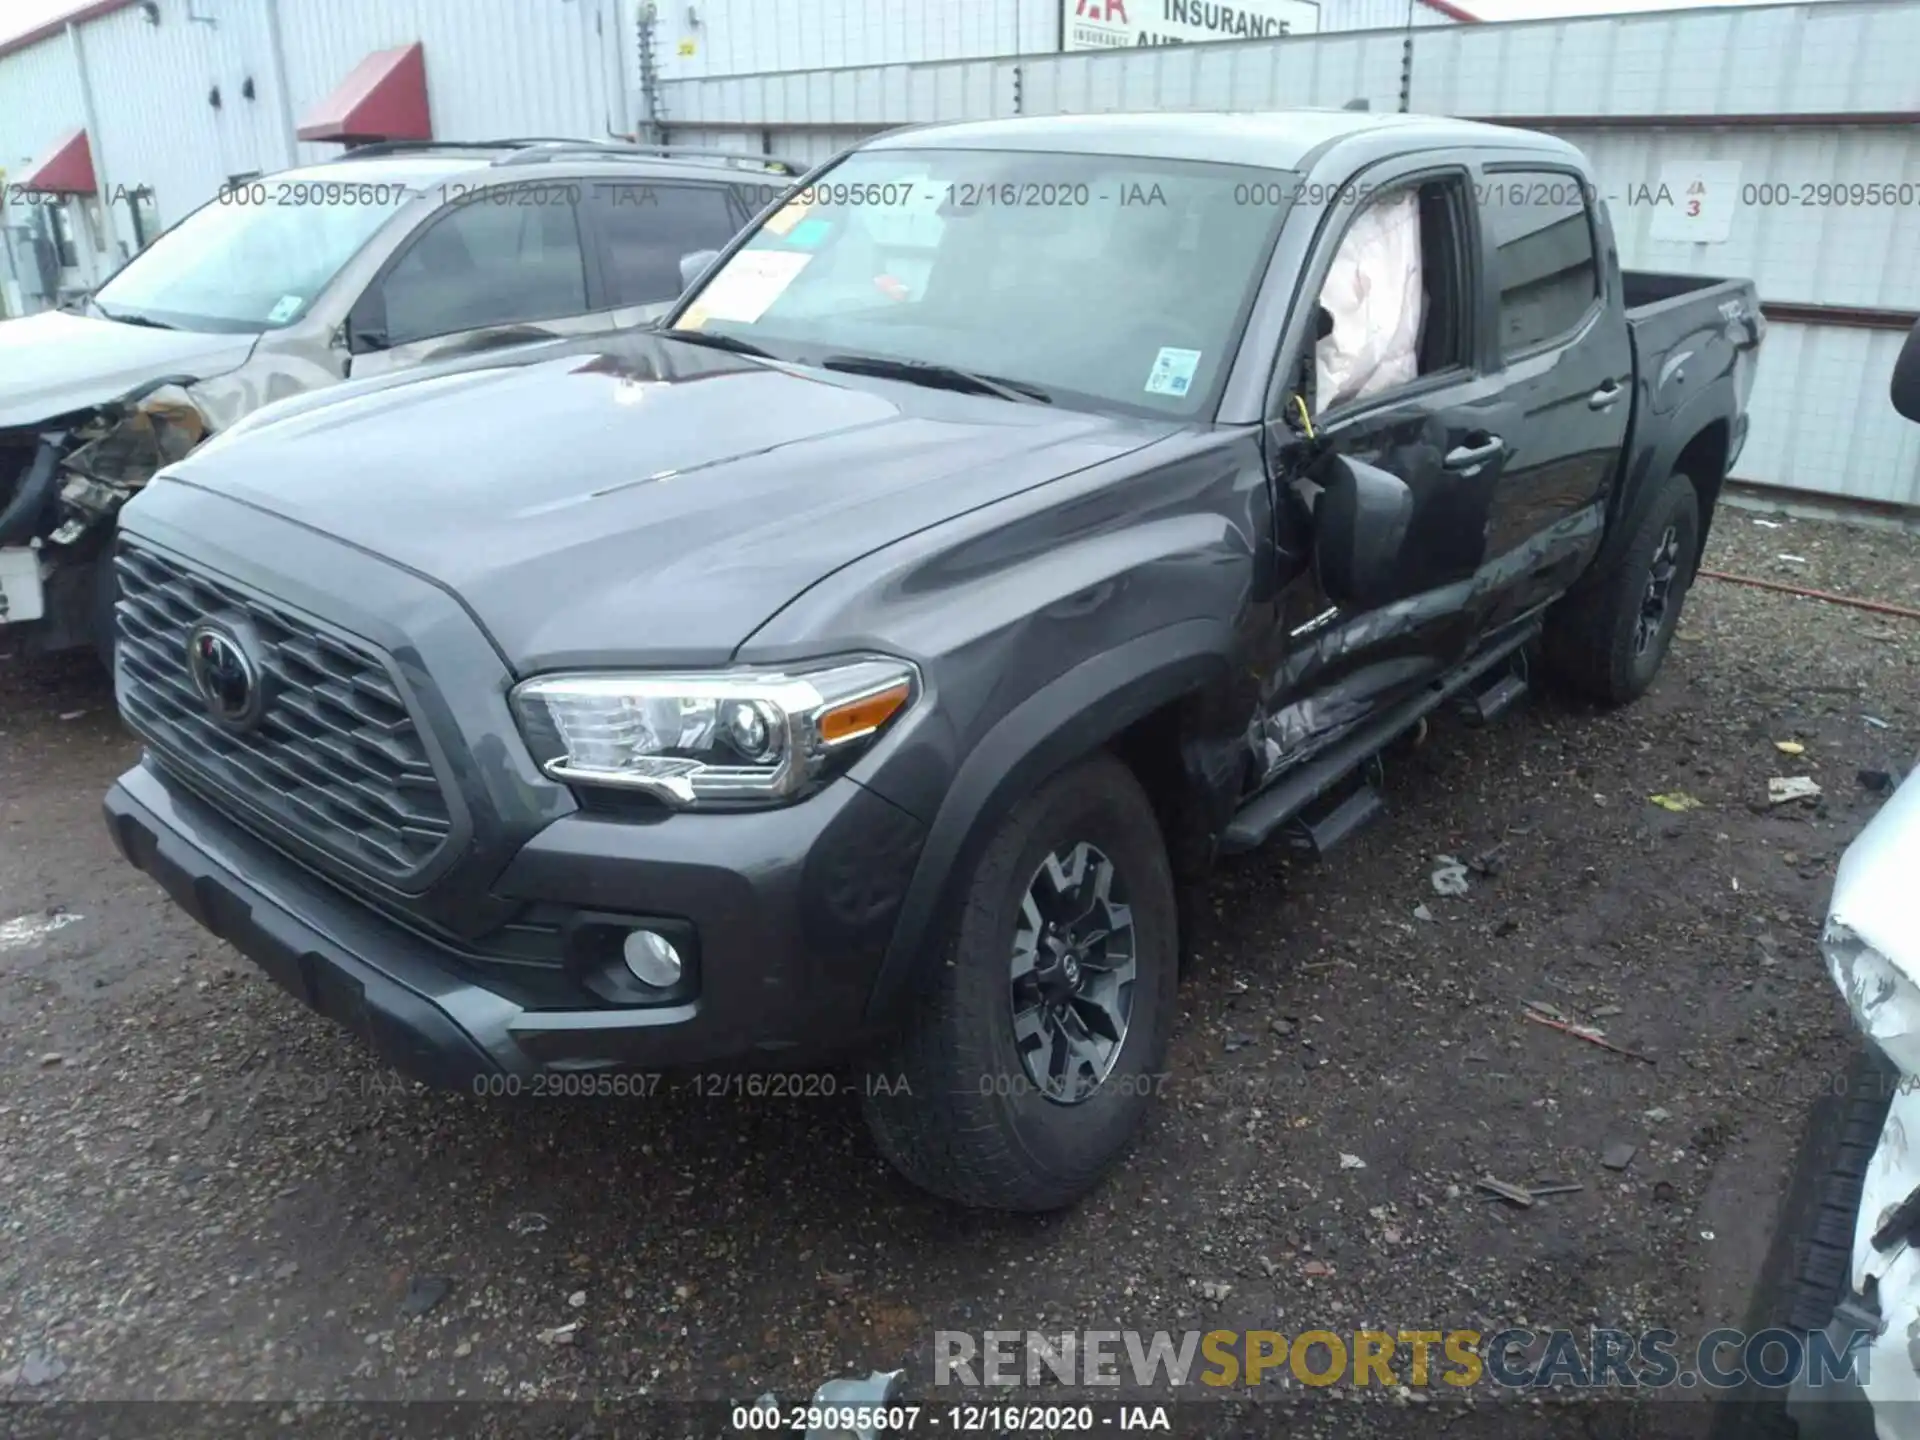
801, 1419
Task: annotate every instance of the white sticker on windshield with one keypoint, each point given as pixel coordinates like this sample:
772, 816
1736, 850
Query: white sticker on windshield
285, 308
1173, 371
752, 281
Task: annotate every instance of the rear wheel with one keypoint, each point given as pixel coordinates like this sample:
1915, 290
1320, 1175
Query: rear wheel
1608, 636
1023, 1071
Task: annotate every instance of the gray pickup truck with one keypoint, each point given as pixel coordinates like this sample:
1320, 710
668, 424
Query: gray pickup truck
1017, 517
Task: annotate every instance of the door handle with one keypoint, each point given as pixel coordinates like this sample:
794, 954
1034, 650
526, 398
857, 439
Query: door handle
1605, 395
1468, 457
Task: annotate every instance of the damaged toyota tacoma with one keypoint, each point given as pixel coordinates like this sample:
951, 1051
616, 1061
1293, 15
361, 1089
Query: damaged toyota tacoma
861, 663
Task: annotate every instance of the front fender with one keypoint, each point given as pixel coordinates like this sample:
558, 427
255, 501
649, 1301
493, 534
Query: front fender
1074, 715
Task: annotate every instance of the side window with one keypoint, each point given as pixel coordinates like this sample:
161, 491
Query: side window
1394, 301
490, 261
1541, 238
648, 227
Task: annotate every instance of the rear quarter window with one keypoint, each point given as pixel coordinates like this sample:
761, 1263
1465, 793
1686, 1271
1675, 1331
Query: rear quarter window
1540, 233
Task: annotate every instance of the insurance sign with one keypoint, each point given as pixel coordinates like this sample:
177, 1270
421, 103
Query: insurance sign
1113, 24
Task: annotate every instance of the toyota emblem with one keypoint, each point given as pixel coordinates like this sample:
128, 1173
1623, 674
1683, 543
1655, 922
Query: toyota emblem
225, 676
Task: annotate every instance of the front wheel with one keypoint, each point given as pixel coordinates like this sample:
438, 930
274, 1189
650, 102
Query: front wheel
1607, 637
1024, 1069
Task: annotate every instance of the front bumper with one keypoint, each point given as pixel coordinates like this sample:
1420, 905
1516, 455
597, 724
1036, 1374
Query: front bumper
792, 910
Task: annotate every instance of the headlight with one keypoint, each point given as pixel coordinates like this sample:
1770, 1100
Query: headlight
740, 736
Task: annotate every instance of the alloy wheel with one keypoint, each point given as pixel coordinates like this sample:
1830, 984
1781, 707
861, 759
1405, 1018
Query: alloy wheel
1072, 973
1657, 599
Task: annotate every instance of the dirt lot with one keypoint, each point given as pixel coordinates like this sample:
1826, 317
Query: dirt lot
207, 1193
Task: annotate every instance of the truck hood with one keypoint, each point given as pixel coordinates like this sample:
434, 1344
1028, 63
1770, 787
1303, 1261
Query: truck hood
55, 362
636, 499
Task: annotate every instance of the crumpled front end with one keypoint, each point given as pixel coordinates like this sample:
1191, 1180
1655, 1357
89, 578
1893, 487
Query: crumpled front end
61, 483
1872, 946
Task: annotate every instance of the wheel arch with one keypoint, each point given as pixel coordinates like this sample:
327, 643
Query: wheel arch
1145, 700
1699, 433
1703, 460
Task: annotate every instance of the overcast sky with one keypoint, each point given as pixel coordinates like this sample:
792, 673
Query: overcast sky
17, 16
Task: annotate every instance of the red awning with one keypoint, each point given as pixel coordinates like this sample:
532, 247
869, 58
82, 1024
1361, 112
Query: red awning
385, 98
67, 170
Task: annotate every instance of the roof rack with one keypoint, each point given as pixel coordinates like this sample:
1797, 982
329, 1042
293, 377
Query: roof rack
404, 147
533, 152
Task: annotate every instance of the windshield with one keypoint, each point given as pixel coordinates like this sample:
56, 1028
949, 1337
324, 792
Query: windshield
253, 259
1115, 281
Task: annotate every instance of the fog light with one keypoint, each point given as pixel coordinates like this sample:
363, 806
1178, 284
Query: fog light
652, 959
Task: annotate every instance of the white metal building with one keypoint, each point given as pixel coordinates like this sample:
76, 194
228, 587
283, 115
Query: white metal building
176, 97
1798, 123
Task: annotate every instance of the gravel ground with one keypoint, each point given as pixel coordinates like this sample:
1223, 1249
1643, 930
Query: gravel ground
209, 1194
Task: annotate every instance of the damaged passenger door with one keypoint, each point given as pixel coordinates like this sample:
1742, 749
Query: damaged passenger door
501, 267
1384, 488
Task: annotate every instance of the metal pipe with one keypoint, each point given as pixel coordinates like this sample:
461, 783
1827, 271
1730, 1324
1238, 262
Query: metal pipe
1878, 607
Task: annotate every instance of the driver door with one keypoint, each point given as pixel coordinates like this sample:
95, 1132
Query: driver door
498, 268
1438, 424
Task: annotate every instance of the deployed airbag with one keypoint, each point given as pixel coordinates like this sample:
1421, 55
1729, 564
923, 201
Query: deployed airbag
1375, 295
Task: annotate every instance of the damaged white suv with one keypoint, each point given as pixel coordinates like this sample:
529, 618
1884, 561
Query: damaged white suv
1872, 946
396, 255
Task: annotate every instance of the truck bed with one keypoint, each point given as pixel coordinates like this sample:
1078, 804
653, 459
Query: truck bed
1689, 333
1665, 312
1648, 291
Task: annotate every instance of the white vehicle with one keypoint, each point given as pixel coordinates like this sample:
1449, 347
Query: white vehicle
394, 256
1872, 946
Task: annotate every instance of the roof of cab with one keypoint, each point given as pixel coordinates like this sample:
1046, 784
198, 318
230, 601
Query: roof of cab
1276, 139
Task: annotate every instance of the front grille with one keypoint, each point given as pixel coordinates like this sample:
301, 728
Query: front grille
335, 759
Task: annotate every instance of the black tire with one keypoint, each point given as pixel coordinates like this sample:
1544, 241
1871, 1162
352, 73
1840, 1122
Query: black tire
1594, 641
969, 1123
1809, 1264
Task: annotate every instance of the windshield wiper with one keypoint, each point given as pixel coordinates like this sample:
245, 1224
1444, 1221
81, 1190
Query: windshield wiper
943, 377
133, 317
719, 342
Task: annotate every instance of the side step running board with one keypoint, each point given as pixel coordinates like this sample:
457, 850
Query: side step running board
1297, 789
1317, 834
1483, 707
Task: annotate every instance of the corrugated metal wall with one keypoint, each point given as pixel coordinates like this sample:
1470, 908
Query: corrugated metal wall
747, 37
494, 67
1821, 421
1814, 59
740, 37
1754, 60
163, 130
40, 93
39, 102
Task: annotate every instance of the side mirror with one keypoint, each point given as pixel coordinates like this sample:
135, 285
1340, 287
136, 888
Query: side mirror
693, 266
1360, 526
1322, 323
1906, 376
